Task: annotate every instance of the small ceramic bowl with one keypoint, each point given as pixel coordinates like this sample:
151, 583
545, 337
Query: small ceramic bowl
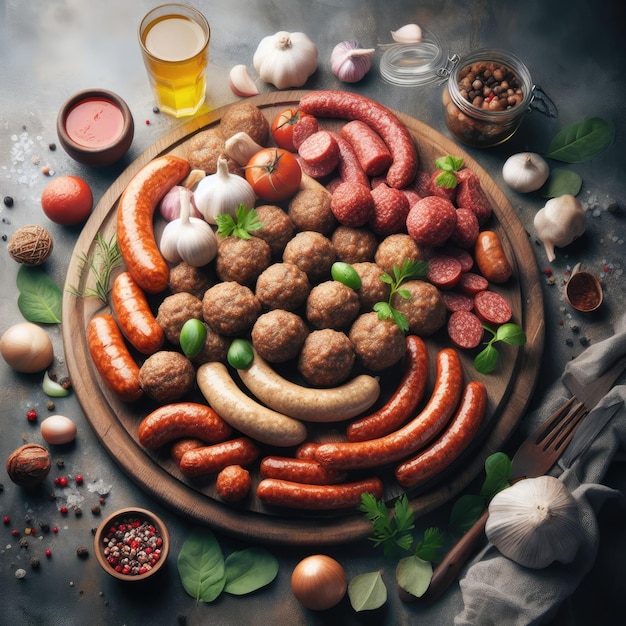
95, 127
583, 291
149, 536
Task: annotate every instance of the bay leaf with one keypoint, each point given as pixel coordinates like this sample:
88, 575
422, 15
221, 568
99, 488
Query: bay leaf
367, 592
581, 141
201, 566
414, 575
561, 183
249, 570
40, 298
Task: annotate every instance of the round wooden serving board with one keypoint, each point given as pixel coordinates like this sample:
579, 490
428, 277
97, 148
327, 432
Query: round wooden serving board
115, 422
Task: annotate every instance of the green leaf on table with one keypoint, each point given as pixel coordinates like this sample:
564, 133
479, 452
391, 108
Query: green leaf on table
465, 511
498, 473
414, 575
562, 183
511, 334
201, 566
249, 570
486, 360
40, 298
581, 141
367, 592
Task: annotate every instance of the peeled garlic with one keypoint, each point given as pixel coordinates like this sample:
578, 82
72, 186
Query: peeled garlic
560, 221
240, 82
409, 33
534, 522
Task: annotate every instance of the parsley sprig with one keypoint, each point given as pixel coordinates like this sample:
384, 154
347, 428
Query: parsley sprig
487, 360
448, 165
410, 270
244, 222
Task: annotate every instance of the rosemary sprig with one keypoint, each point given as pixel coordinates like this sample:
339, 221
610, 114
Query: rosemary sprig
101, 264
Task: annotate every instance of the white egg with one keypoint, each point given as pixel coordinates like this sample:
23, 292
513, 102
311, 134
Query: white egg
58, 429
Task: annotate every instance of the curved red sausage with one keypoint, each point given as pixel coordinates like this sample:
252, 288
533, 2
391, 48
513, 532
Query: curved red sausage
214, 458
350, 169
407, 440
452, 442
371, 150
405, 400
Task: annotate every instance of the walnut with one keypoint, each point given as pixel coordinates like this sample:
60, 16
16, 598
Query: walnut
30, 245
29, 465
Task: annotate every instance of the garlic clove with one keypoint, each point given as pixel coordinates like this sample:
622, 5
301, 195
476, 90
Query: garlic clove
409, 33
241, 147
241, 83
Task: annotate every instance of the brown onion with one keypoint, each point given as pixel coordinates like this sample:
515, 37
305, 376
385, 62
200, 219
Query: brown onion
319, 582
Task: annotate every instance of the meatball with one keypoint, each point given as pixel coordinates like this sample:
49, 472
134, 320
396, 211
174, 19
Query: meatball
378, 344
372, 289
309, 209
189, 279
312, 252
215, 348
326, 358
395, 249
204, 150
247, 118
279, 335
277, 229
354, 245
282, 286
167, 376
242, 260
332, 304
233, 483
425, 310
174, 311
230, 308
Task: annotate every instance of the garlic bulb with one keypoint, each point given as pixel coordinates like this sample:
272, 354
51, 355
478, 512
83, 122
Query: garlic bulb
223, 192
169, 207
240, 82
349, 62
285, 59
409, 33
560, 221
188, 239
534, 522
241, 147
525, 172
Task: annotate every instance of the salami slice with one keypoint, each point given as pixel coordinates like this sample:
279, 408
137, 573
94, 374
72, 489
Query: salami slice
470, 195
465, 329
471, 283
455, 301
319, 154
492, 308
303, 129
462, 256
444, 271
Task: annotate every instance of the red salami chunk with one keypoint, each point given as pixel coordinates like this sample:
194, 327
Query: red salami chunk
471, 283
467, 228
332, 184
431, 221
444, 271
411, 195
461, 255
319, 154
352, 204
470, 195
465, 329
350, 169
492, 308
455, 301
449, 193
422, 184
303, 129
391, 208
370, 149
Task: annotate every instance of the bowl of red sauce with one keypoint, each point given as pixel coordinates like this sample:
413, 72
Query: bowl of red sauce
95, 127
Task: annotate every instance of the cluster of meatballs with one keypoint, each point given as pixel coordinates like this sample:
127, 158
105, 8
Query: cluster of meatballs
276, 289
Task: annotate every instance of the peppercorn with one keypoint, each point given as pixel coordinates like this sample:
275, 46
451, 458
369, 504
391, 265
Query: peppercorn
45, 527
8, 201
6, 519
79, 479
24, 543
95, 509
52, 147
31, 415
78, 511
50, 405
48, 553
63, 510
34, 562
82, 552
60, 463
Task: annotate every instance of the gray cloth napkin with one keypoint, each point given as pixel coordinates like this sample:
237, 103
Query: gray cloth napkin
495, 590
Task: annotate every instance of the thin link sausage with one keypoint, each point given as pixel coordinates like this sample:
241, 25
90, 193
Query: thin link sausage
407, 440
403, 403
297, 470
214, 458
457, 436
135, 232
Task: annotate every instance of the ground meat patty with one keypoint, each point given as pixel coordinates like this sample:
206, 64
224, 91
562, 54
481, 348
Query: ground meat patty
354, 245
230, 308
174, 311
309, 209
215, 348
247, 118
372, 289
332, 304
282, 286
167, 376
278, 228
326, 358
394, 249
312, 252
425, 311
189, 279
378, 344
204, 150
279, 335
242, 260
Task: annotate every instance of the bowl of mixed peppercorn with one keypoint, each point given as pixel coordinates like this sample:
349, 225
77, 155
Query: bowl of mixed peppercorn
131, 544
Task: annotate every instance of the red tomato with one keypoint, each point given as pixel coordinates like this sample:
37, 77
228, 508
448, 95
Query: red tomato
274, 174
67, 200
283, 125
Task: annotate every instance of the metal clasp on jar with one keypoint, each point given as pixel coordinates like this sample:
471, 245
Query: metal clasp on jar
542, 102
444, 72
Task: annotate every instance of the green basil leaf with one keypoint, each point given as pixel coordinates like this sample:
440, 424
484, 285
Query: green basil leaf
367, 592
562, 183
249, 570
201, 566
512, 334
497, 474
40, 298
487, 360
581, 141
465, 511
447, 180
414, 575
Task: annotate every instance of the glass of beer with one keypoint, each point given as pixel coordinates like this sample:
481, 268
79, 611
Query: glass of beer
175, 44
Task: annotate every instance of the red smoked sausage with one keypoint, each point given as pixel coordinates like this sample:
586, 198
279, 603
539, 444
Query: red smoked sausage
407, 440
112, 359
405, 400
135, 232
452, 442
350, 169
296, 470
490, 257
214, 458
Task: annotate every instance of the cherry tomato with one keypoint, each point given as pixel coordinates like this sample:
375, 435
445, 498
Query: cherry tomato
274, 174
283, 125
67, 200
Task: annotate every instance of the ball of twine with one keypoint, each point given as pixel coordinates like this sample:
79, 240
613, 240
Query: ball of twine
30, 245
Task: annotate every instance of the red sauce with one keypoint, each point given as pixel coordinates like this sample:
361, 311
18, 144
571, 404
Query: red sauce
94, 123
